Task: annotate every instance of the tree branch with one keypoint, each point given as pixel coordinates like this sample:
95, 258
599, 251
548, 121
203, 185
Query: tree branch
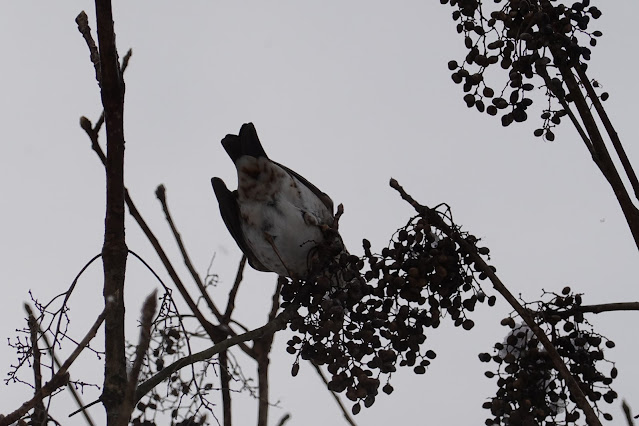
480, 264
83, 26
230, 304
627, 412
345, 413
39, 415
148, 311
605, 163
262, 347
114, 250
160, 193
595, 309
612, 133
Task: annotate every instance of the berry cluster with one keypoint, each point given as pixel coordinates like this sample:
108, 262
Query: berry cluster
527, 38
364, 317
531, 391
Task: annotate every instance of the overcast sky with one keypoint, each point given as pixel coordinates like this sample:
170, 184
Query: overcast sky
348, 94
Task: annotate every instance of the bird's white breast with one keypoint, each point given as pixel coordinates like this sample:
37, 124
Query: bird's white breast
273, 202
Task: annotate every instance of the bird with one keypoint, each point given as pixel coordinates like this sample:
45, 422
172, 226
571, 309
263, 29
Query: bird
279, 219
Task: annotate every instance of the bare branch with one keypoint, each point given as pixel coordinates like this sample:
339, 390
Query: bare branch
83, 26
148, 312
39, 411
612, 133
628, 413
230, 305
595, 309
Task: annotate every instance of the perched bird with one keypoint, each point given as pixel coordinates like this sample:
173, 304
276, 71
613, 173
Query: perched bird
278, 218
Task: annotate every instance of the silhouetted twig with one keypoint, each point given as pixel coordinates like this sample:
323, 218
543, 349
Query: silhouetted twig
345, 413
627, 412
160, 193
39, 411
60, 378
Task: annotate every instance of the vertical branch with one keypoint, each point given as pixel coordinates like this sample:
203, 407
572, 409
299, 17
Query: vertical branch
39, 416
225, 377
604, 161
225, 383
114, 250
262, 348
628, 413
614, 137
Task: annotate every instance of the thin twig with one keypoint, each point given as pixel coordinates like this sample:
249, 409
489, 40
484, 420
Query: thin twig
60, 378
39, 415
345, 413
285, 418
225, 377
83, 26
160, 193
71, 389
67, 296
230, 304
480, 264
628, 413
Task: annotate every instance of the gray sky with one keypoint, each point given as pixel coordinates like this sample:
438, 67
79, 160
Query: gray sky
347, 94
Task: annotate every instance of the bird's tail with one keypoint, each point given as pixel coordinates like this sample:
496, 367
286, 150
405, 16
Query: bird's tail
246, 143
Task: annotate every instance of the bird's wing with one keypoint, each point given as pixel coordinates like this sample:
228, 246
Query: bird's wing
326, 200
230, 212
